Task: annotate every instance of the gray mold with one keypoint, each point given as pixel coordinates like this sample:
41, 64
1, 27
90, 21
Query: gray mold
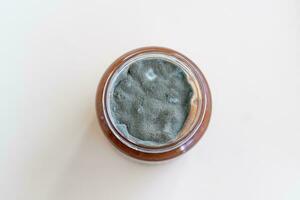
151, 101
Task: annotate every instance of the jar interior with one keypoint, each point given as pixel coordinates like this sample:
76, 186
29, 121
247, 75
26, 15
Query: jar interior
153, 100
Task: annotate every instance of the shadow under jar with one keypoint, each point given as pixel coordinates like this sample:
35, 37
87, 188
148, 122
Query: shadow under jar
153, 103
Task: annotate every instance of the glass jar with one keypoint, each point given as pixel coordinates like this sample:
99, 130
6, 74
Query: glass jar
194, 125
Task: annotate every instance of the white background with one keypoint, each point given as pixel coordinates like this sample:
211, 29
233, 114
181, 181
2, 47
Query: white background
53, 53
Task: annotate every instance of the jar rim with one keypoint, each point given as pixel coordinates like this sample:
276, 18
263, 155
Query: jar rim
108, 89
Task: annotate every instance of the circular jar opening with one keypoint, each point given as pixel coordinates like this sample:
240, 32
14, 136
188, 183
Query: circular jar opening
153, 103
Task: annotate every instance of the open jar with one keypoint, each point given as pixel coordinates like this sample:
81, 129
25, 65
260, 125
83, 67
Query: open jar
153, 103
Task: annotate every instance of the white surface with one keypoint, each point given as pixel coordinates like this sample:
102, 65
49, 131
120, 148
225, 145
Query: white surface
53, 54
